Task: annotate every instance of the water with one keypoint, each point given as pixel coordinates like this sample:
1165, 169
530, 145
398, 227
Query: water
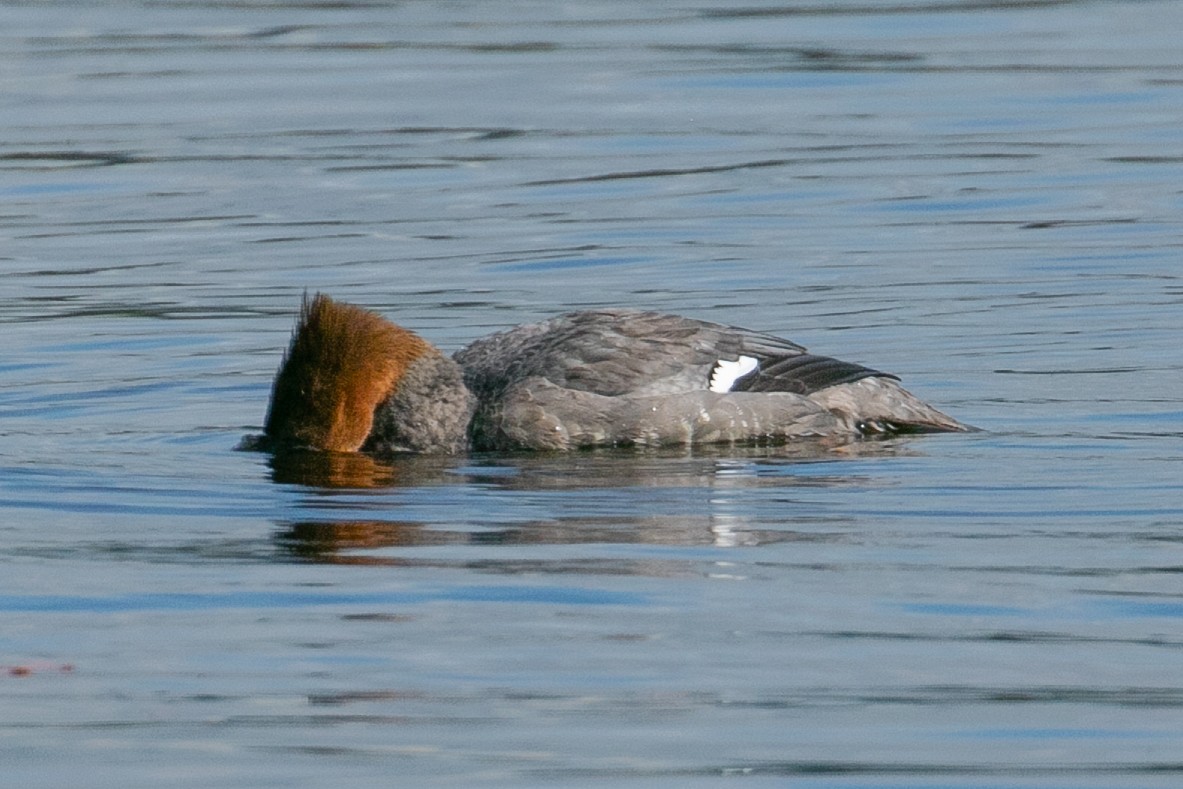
981, 197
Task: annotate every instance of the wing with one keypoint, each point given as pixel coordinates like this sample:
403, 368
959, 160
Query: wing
615, 352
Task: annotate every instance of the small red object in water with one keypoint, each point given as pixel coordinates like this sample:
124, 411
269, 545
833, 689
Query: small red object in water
28, 669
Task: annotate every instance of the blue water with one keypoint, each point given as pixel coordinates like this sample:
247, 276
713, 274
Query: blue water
980, 197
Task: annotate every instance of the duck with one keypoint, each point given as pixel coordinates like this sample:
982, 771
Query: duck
353, 381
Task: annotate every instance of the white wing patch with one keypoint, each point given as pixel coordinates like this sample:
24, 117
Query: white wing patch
726, 373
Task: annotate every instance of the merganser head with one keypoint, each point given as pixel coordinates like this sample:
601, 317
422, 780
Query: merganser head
353, 380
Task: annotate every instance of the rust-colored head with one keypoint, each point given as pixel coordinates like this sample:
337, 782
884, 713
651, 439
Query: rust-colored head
343, 361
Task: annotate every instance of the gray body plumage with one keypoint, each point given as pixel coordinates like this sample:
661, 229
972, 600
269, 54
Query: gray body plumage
428, 412
623, 377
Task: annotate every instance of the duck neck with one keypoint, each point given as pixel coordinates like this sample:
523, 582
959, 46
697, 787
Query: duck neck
428, 411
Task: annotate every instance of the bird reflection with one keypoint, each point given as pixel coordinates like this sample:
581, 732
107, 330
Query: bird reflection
699, 499
314, 469
343, 542
378, 543
591, 468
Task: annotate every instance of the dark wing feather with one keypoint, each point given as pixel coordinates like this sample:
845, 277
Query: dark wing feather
802, 374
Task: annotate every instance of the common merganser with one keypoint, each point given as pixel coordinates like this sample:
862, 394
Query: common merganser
353, 381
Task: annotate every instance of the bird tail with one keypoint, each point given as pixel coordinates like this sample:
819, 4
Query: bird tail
876, 405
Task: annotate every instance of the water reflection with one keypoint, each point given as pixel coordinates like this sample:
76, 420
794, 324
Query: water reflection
369, 541
344, 470
576, 470
362, 510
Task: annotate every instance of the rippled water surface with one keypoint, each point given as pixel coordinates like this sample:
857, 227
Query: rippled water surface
984, 197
